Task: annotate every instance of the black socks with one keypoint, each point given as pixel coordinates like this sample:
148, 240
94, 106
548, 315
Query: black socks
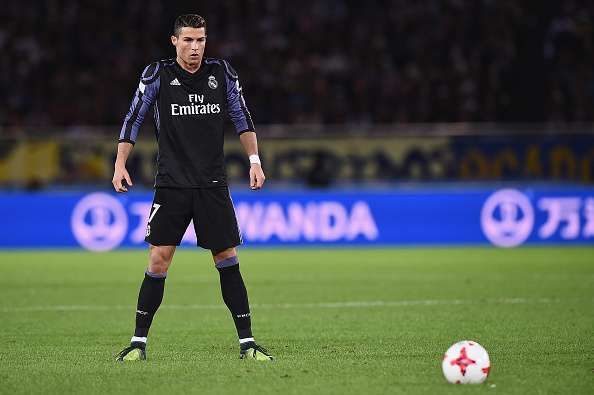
232, 288
149, 300
235, 296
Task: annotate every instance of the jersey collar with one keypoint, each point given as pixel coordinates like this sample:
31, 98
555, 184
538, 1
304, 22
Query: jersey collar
187, 73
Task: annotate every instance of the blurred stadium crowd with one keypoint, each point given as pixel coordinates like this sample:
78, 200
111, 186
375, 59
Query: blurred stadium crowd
67, 62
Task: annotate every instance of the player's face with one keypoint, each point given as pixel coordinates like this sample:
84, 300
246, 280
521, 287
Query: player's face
190, 44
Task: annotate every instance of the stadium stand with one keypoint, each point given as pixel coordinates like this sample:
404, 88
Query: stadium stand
331, 62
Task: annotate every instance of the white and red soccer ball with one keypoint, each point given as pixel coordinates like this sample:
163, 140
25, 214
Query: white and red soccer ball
466, 362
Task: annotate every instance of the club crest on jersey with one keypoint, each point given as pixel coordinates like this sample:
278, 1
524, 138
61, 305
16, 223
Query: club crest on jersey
212, 82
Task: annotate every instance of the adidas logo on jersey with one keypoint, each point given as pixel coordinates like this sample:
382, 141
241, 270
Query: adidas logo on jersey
174, 82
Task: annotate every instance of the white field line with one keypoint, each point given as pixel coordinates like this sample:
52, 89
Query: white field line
321, 305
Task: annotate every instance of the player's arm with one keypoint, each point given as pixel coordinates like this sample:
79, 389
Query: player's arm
120, 173
250, 145
244, 126
144, 98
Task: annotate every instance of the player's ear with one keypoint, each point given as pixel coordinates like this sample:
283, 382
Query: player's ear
174, 40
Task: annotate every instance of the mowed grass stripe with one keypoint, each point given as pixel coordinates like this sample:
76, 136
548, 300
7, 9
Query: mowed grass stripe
321, 305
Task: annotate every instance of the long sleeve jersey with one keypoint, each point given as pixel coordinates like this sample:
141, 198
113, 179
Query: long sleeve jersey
189, 116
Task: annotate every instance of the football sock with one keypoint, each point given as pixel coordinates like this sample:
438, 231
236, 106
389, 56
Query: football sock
246, 343
149, 300
235, 296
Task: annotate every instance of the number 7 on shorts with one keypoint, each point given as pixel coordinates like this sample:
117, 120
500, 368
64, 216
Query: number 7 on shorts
156, 208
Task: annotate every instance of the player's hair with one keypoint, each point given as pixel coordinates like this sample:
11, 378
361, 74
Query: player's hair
188, 20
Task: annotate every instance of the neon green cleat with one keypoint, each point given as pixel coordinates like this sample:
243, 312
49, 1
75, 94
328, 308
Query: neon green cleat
132, 353
253, 351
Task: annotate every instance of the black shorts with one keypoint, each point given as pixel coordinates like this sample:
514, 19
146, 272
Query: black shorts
211, 209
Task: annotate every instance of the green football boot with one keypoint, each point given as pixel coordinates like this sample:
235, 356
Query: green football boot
251, 350
135, 352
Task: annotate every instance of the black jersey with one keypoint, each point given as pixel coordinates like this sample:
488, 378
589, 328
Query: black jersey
190, 111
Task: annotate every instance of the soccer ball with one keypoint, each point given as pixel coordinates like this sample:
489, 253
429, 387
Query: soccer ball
466, 362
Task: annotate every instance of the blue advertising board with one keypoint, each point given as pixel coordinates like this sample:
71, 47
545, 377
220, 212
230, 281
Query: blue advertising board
102, 221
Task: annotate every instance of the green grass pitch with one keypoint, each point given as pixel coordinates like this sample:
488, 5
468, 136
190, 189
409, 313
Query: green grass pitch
357, 321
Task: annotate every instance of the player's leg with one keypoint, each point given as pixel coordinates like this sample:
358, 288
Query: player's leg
234, 292
169, 218
235, 297
150, 297
151, 291
217, 230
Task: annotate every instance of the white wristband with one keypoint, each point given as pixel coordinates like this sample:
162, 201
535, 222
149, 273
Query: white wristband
255, 159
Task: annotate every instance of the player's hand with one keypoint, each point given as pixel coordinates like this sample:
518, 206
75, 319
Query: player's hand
256, 176
121, 174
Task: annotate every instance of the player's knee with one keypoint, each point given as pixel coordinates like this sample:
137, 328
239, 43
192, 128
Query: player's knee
158, 263
224, 254
160, 259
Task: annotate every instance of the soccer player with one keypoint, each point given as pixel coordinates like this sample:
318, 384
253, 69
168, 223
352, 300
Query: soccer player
191, 95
